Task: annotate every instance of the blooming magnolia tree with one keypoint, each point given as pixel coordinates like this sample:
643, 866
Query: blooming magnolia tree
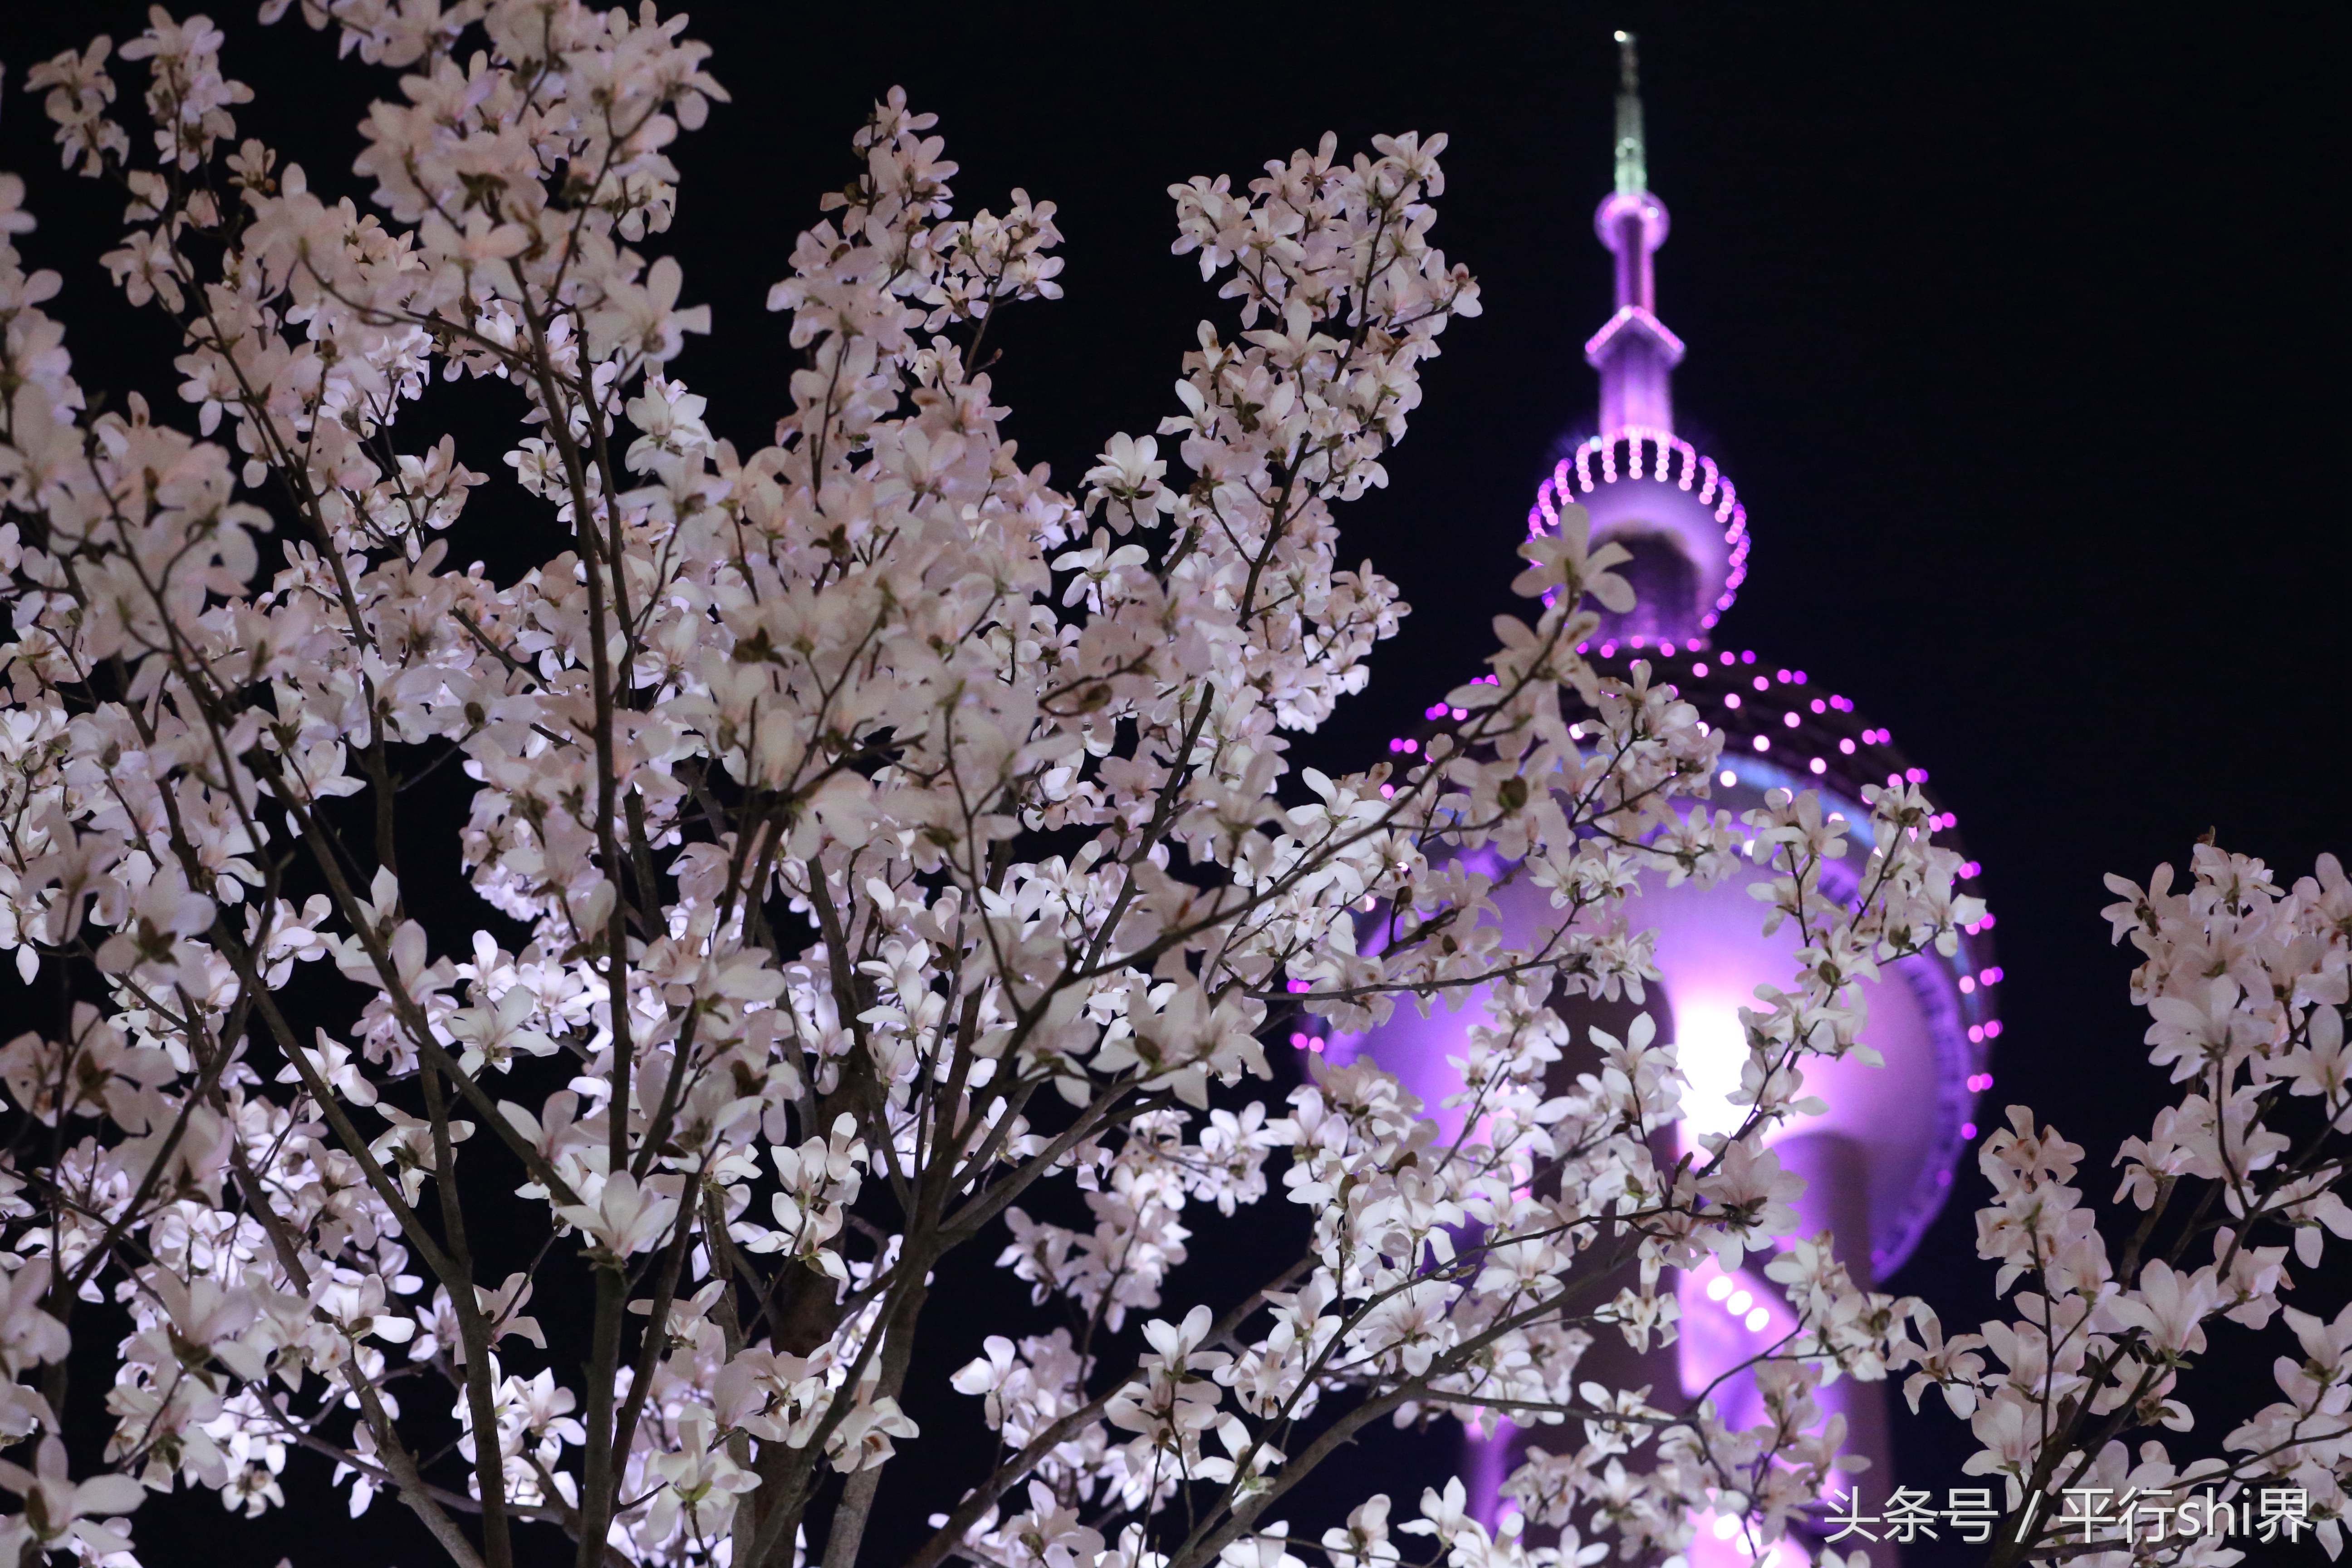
881, 857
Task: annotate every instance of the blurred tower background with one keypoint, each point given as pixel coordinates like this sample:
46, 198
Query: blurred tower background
1879, 1165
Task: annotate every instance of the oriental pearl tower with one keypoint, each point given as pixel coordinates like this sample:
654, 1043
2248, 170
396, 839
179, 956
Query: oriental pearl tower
1878, 1165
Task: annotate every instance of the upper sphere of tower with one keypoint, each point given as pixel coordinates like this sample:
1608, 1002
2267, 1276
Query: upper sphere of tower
1611, 219
1672, 511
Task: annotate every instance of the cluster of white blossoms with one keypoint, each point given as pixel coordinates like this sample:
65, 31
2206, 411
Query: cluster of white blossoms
884, 858
2233, 1192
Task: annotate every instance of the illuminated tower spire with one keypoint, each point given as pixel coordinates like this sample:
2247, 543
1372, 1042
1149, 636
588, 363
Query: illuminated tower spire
1634, 353
1633, 157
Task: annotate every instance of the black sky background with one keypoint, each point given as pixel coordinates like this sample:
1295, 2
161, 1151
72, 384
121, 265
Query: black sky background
2018, 328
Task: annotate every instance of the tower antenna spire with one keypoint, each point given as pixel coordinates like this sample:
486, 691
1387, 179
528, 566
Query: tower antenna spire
1633, 155
1634, 353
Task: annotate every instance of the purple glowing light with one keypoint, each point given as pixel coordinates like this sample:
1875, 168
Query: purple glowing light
1640, 451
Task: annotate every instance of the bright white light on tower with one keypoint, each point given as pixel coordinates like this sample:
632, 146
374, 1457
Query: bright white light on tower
1719, 1287
1714, 1047
1757, 1319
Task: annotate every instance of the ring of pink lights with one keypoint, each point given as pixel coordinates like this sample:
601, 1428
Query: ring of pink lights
1637, 452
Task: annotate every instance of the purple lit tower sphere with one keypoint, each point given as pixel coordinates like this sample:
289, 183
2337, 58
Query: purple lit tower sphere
1879, 1164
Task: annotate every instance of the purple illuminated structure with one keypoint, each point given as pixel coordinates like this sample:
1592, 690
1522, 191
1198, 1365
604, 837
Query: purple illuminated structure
1879, 1164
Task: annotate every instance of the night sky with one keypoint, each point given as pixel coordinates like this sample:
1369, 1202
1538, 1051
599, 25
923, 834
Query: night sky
2018, 334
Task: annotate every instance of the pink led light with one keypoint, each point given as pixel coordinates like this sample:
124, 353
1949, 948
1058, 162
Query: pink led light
1969, 1130
1731, 699
1748, 657
1762, 744
1992, 1031
1976, 1034
1699, 670
1968, 985
1846, 746
1819, 706
1819, 766
1461, 713
1782, 676
1790, 720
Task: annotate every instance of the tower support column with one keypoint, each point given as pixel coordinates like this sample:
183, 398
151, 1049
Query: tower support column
1837, 1199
